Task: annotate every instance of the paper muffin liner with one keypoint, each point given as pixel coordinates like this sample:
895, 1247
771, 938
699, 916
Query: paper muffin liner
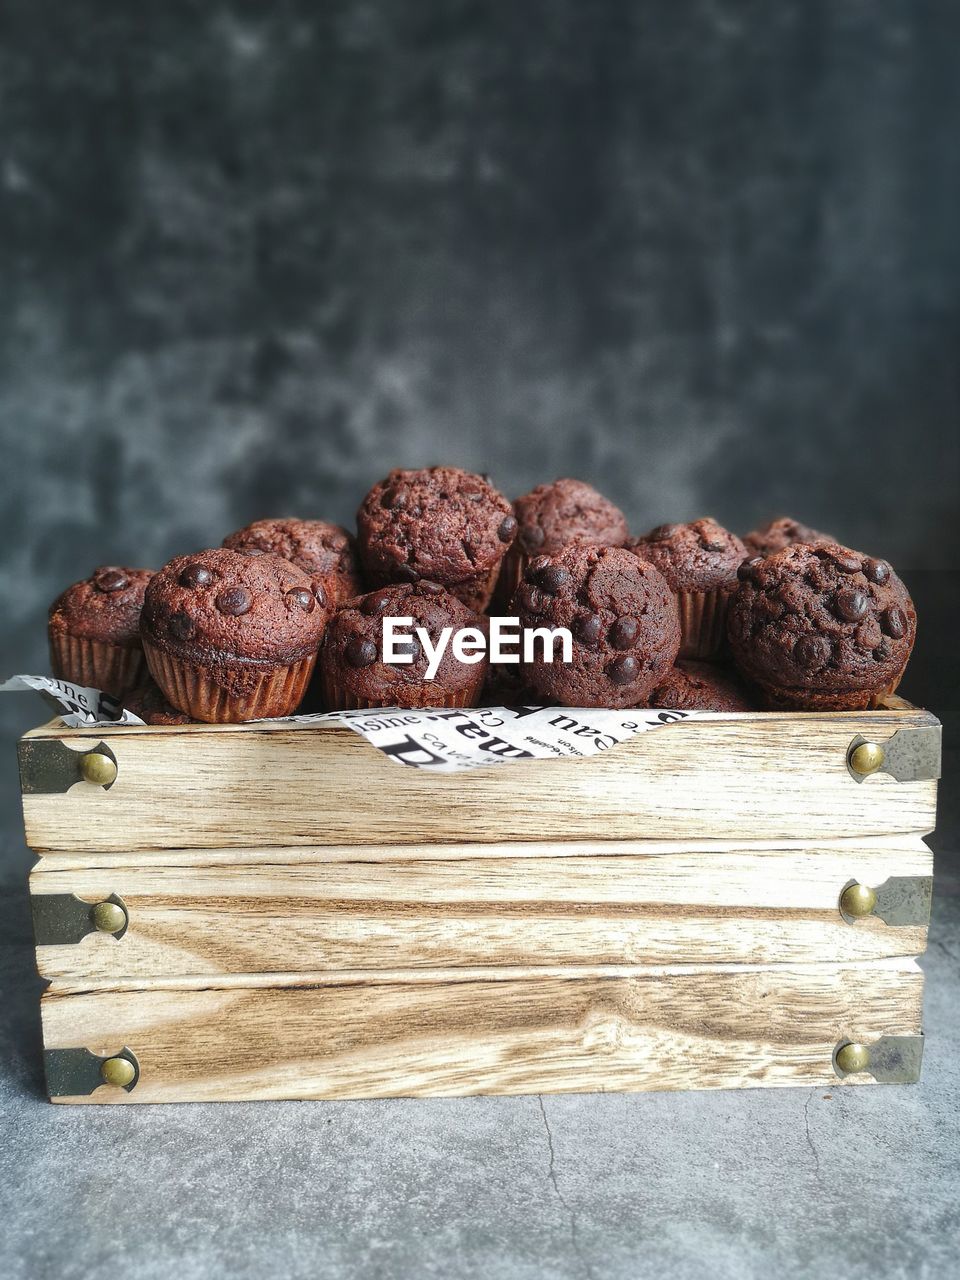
703, 623
476, 593
336, 696
256, 695
98, 664
511, 575
827, 699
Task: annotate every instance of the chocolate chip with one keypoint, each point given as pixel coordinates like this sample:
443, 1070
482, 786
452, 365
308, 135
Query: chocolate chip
894, 622
552, 578
534, 569
234, 601
508, 528
393, 500
252, 551
373, 604
360, 652
883, 650
109, 580
196, 575
532, 599
320, 594
812, 652
623, 670
180, 626
851, 605
300, 598
662, 532
847, 561
587, 628
747, 571
531, 537
407, 573
877, 571
429, 588
623, 633
712, 542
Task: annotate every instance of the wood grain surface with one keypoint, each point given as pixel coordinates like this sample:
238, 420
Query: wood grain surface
758, 775
671, 905
313, 1036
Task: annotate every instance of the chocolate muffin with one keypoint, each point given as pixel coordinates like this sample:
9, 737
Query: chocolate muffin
148, 703
782, 532
326, 552
699, 560
230, 636
353, 673
441, 524
622, 616
821, 627
94, 630
701, 686
506, 686
553, 516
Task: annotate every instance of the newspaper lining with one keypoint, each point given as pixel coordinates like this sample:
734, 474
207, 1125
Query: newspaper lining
440, 740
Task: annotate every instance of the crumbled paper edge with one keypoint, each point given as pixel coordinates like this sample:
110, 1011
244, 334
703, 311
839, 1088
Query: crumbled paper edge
442, 740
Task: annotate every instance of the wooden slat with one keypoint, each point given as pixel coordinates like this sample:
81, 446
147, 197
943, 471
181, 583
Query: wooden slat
672, 1028
308, 855
760, 775
673, 906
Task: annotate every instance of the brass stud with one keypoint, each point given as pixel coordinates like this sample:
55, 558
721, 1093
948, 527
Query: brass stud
867, 758
853, 1058
118, 1071
108, 917
98, 768
857, 900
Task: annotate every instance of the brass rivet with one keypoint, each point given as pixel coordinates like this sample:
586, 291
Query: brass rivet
98, 768
108, 917
853, 1058
867, 758
857, 900
118, 1071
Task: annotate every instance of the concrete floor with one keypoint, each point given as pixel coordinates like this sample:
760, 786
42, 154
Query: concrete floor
856, 1182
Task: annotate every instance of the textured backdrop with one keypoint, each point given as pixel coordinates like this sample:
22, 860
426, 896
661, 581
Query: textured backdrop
705, 255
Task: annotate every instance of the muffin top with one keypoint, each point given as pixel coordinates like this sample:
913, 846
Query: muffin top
701, 686
224, 603
821, 617
699, 556
320, 549
623, 618
441, 524
106, 606
551, 516
782, 532
352, 652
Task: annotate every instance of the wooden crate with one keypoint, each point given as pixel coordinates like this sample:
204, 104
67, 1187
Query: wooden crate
303, 918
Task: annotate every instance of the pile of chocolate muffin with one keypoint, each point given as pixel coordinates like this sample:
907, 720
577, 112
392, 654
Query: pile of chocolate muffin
288, 614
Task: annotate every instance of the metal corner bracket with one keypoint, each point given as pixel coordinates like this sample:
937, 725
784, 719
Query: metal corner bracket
63, 919
76, 1073
909, 755
890, 1060
48, 767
